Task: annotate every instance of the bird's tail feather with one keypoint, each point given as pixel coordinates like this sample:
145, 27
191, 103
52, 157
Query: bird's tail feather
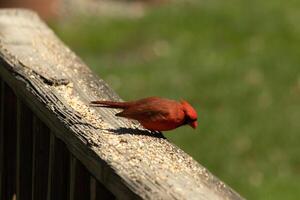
109, 104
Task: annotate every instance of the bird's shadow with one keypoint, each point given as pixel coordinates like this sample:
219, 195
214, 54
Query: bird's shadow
136, 131
123, 130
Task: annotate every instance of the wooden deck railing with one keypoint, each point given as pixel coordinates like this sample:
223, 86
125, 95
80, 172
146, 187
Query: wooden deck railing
54, 146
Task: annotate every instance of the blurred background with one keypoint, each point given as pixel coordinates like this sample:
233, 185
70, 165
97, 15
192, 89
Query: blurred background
236, 61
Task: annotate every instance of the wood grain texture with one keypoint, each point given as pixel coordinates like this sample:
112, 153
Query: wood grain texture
131, 162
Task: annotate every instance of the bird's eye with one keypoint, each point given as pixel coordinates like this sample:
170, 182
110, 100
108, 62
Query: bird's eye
188, 120
193, 119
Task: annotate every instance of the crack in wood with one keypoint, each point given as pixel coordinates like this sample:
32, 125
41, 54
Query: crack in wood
48, 81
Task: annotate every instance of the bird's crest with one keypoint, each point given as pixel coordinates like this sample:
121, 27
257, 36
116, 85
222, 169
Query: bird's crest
189, 110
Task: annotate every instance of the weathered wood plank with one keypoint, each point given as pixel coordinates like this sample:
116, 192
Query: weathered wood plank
131, 162
79, 180
58, 176
40, 158
9, 143
24, 151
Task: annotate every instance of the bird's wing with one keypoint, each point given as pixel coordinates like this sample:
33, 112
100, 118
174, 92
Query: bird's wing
144, 113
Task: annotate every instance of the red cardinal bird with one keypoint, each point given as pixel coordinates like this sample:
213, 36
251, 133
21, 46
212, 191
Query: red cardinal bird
155, 113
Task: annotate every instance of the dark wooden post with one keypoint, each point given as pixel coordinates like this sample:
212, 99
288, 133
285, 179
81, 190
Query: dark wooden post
79, 180
40, 156
58, 177
8, 146
24, 151
1, 136
99, 191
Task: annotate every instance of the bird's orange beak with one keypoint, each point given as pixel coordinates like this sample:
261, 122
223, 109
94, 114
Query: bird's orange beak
193, 124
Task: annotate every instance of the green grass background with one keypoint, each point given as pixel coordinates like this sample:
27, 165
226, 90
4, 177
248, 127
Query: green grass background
237, 62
